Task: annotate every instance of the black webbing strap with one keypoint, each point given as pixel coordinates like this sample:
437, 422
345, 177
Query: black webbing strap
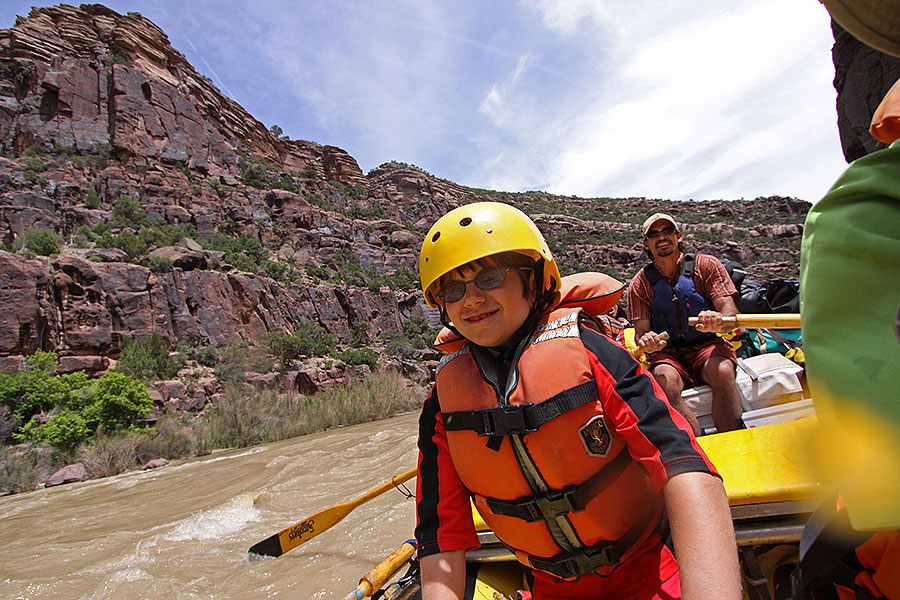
554, 503
571, 564
520, 418
828, 551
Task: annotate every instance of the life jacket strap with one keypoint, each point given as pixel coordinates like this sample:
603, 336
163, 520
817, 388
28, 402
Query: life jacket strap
574, 563
555, 503
498, 421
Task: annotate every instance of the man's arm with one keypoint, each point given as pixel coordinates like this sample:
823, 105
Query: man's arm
444, 575
704, 537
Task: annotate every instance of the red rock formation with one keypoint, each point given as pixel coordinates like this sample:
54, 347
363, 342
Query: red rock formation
89, 76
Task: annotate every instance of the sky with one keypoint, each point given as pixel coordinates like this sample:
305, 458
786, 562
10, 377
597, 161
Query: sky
695, 99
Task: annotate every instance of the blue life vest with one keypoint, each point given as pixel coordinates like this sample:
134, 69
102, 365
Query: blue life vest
672, 307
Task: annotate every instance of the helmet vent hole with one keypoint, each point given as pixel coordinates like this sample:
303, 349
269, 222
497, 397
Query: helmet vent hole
465, 221
435, 237
490, 230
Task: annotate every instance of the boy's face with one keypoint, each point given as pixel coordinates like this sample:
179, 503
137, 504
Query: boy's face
489, 317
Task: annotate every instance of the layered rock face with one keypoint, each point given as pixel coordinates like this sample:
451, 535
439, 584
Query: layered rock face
863, 76
89, 76
97, 108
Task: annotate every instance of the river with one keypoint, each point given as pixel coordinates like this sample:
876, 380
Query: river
182, 531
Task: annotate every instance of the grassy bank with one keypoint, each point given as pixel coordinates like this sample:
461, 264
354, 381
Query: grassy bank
242, 418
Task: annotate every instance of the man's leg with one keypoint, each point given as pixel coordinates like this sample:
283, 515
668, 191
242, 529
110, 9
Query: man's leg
719, 373
672, 383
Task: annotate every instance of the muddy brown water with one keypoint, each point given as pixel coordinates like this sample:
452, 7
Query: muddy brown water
183, 531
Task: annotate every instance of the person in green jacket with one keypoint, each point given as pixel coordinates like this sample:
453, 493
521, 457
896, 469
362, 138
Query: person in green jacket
850, 307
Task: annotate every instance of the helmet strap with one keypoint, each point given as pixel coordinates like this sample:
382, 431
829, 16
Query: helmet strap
445, 321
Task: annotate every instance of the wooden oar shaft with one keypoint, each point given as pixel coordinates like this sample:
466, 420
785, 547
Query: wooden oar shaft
759, 321
378, 576
288, 539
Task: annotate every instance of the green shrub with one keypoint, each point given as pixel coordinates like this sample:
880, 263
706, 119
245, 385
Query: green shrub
287, 183
8, 423
208, 356
118, 401
256, 175
147, 360
92, 200
23, 471
359, 356
161, 233
77, 406
237, 358
129, 213
34, 388
126, 241
280, 271
309, 339
39, 240
160, 264
110, 454
358, 211
403, 278
319, 273
419, 332
65, 430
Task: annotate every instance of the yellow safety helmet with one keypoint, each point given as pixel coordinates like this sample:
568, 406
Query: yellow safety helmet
478, 230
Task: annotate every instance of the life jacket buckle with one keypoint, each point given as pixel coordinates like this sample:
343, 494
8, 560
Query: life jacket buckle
558, 502
552, 504
577, 562
504, 420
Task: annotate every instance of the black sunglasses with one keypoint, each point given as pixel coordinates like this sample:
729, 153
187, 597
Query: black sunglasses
654, 233
486, 280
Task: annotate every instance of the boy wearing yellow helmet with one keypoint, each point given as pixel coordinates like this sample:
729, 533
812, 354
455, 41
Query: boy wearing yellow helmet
566, 446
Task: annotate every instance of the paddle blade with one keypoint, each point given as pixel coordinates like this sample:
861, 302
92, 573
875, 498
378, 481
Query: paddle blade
305, 530
293, 536
270, 546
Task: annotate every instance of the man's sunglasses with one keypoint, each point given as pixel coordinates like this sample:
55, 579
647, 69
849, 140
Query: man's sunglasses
655, 233
486, 280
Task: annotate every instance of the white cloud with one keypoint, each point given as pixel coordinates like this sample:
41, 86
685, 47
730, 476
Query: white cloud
706, 98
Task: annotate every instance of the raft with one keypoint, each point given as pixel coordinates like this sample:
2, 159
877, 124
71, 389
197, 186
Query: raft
770, 490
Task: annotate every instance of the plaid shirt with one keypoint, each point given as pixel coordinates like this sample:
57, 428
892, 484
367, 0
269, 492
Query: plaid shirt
710, 278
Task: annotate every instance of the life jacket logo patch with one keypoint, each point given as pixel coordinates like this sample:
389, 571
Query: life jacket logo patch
596, 437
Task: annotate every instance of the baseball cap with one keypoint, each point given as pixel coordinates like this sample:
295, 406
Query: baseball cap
657, 217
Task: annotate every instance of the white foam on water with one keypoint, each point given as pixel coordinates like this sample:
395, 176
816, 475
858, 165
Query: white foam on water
218, 522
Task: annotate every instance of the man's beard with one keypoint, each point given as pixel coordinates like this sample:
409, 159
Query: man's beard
666, 251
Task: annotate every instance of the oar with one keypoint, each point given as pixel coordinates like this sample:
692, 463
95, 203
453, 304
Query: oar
761, 321
378, 576
288, 539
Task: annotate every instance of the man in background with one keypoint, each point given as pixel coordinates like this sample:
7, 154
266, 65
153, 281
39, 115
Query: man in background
661, 298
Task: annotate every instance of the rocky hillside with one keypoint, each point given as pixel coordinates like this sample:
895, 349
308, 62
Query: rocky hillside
136, 198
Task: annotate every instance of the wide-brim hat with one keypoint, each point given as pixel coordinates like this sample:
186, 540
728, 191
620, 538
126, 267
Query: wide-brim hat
873, 22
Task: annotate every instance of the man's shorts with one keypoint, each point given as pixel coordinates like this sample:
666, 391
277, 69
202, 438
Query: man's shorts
690, 360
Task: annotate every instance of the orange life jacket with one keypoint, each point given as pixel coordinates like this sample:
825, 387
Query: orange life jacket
548, 473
